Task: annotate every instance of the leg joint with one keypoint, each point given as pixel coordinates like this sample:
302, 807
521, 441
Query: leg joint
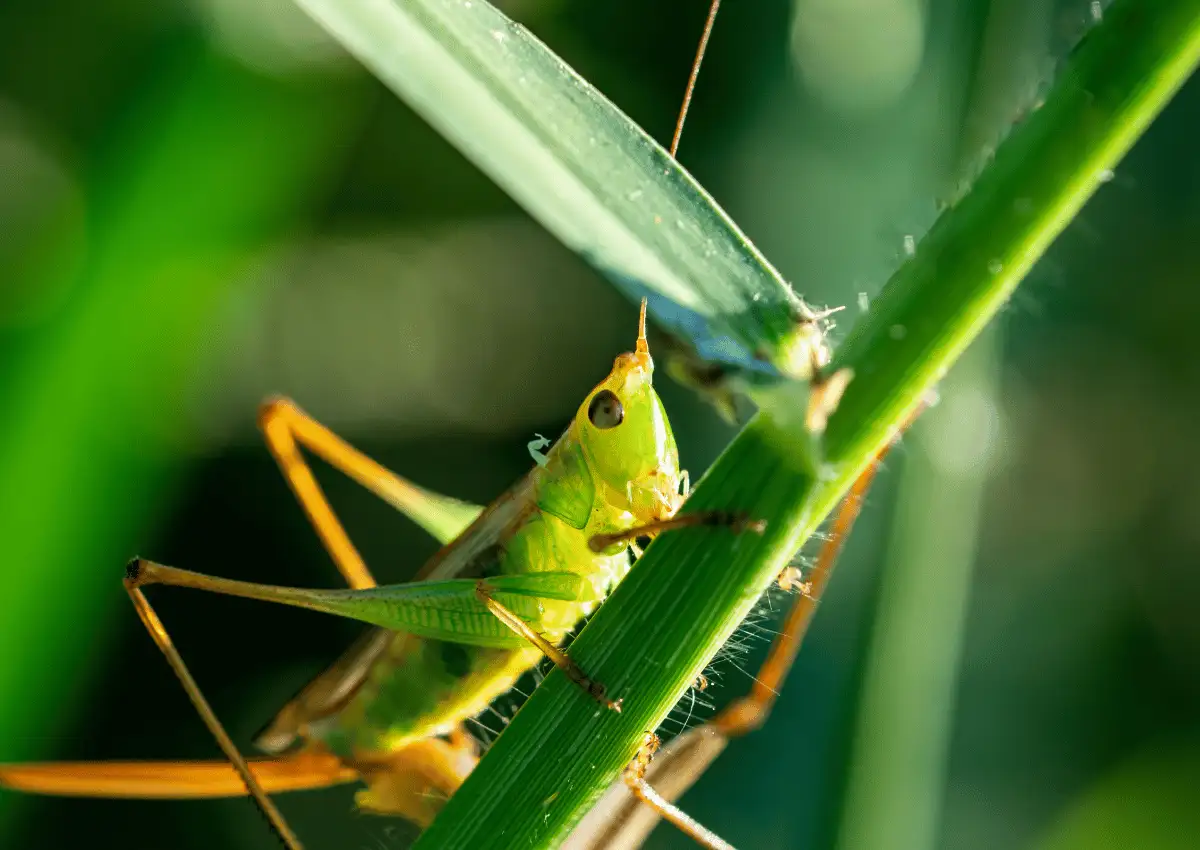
275, 408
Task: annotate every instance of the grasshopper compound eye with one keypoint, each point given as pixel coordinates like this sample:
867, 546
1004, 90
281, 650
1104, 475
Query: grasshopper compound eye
606, 410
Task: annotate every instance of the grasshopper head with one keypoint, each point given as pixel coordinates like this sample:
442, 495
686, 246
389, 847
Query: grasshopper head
627, 439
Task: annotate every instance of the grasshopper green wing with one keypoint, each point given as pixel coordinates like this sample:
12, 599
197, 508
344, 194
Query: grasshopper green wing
446, 609
464, 535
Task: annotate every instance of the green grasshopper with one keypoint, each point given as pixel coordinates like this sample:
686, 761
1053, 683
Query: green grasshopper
511, 581
347, 728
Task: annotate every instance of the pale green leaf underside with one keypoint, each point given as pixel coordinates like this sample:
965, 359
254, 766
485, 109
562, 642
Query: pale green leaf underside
578, 165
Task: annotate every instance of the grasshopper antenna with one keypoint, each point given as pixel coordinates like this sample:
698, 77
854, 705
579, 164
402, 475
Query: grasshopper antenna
691, 84
642, 347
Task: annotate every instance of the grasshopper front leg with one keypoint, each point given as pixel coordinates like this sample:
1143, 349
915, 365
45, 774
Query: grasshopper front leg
562, 661
734, 521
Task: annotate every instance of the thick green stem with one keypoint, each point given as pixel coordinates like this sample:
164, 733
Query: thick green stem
669, 617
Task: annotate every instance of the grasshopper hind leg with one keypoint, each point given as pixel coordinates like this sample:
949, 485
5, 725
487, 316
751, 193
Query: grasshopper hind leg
286, 428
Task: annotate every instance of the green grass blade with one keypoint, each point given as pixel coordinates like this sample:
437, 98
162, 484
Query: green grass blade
669, 617
209, 167
579, 166
1111, 88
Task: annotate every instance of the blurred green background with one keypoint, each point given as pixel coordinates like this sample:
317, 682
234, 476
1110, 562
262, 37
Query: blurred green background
205, 202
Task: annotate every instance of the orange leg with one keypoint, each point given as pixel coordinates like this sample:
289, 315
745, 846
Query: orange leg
285, 426
750, 712
282, 423
175, 780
